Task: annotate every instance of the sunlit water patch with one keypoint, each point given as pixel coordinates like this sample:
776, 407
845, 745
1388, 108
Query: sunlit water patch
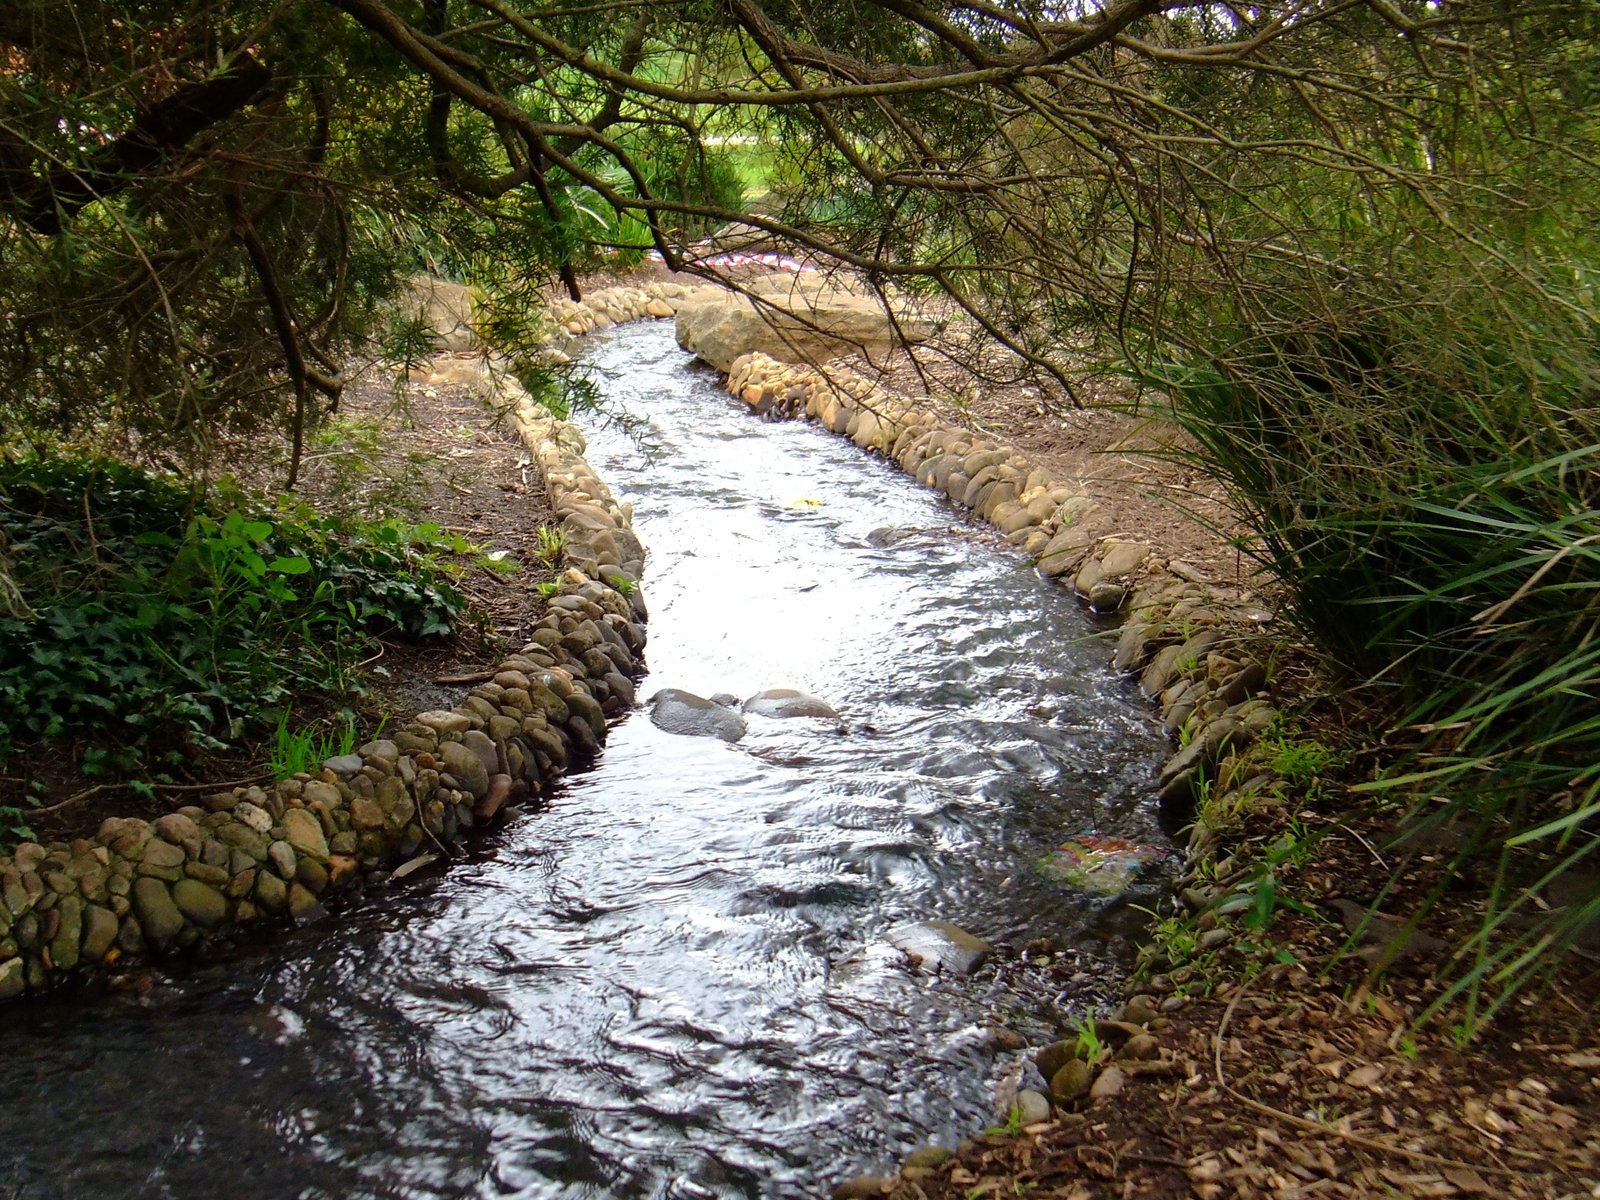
671, 982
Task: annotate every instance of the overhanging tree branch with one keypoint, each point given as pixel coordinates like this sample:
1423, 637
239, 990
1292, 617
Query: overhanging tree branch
43, 203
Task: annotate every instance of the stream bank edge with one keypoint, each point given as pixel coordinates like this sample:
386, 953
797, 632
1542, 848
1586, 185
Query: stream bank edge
251, 858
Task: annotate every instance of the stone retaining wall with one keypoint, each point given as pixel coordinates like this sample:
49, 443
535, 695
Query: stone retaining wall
1200, 656
602, 309
255, 857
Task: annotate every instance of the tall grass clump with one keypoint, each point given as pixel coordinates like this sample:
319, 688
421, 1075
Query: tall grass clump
1434, 508
1397, 379
307, 748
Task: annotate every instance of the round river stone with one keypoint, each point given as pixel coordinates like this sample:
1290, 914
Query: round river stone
786, 702
159, 917
200, 902
678, 711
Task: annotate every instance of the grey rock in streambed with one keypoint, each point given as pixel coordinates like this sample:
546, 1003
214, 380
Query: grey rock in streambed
682, 712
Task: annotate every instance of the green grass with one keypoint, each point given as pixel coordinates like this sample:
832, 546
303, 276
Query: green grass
551, 544
1012, 1127
1088, 1045
753, 165
1299, 763
305, 750
1419, 464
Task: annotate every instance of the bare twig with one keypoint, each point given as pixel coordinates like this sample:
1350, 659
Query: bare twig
470, 677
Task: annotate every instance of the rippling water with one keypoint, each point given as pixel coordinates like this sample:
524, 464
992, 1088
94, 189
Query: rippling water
668, 983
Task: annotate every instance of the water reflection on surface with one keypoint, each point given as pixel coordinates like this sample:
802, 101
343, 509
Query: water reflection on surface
655, 987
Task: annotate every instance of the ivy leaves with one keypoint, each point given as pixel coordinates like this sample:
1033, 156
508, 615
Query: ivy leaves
165, 622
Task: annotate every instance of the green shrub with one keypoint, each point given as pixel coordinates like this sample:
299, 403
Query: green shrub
168, 619
1416, 452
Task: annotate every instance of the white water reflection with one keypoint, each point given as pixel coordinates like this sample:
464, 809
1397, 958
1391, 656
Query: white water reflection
666, 983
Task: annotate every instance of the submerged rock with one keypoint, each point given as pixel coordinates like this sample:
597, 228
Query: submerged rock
783, 703
940, 946
678, 711
1099, 863
893, 535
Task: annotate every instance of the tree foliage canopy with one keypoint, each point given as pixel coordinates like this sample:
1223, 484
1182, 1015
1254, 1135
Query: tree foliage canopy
205, 204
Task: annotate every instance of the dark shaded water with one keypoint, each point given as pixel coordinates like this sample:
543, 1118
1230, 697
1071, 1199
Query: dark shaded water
648, 988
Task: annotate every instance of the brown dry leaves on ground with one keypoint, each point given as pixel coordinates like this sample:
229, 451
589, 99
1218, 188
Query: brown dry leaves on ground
1306, 1095
1310, 1078
440, 453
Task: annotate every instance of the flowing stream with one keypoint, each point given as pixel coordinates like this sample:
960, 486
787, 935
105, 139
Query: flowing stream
671, 981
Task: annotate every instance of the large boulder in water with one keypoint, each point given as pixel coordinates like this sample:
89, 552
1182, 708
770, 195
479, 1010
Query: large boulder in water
786, 702
795, 318
678, 711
